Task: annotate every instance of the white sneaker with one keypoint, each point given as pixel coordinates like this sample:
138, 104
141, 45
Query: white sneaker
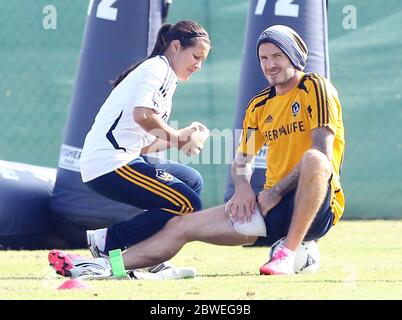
168, 273
158, 267
96, 239
79, 267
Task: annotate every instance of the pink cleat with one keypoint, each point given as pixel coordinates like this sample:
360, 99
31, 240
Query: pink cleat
281, 263
62, 262
79, 267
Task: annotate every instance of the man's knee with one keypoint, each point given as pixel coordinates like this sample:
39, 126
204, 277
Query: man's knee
315, 163
178, 227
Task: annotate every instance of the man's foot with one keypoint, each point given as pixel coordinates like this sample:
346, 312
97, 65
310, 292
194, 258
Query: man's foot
281, 263
96, 240
79, 267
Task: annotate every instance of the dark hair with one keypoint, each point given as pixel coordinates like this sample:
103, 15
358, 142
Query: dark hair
187, 32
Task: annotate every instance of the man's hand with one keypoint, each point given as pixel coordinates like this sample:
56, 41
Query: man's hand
268, 199
242, 205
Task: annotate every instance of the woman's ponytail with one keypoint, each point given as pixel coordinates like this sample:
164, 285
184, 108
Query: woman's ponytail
161, 41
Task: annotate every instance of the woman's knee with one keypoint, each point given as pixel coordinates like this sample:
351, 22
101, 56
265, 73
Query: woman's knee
196, 181
196, 203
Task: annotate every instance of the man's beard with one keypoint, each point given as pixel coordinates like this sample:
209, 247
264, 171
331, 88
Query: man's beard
283, 78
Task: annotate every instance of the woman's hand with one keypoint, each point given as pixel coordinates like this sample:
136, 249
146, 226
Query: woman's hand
192, 138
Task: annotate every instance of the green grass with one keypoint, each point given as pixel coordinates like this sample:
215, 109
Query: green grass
359, 260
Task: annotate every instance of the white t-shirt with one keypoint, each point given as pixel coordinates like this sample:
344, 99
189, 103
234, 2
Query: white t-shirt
115, 139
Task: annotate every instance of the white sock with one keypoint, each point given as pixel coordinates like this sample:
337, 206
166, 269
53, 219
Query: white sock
101, 237
289, 252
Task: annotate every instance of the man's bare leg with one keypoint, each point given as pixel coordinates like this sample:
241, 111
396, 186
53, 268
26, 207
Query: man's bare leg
312, 188
211, 226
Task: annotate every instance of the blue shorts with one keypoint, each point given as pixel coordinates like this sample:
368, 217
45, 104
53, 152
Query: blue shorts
152, 183
277, 221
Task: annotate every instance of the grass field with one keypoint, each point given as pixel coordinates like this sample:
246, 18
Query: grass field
359, 260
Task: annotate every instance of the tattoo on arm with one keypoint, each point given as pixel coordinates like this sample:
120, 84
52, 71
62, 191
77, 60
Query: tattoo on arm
323, 140
288, 183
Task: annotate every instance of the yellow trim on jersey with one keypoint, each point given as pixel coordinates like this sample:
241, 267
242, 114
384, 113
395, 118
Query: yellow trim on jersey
337, 199
322, 99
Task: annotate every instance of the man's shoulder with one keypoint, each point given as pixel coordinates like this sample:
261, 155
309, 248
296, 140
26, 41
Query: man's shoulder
261, 97
265, 91
314, 75
315, 80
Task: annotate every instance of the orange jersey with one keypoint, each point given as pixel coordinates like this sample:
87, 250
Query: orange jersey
284, 124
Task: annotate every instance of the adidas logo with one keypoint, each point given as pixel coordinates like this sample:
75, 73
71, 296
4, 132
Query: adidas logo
269, 119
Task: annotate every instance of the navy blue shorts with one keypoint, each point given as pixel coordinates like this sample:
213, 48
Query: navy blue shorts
277, 221
152, 183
